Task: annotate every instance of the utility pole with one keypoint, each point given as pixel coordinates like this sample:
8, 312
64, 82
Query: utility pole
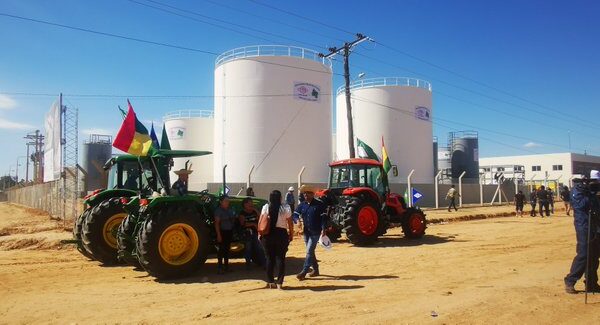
37, 141
345, 51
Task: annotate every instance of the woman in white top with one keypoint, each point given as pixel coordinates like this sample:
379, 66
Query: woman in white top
280, 234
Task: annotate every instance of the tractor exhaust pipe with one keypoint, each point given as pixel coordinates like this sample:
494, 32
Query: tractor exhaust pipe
224, 179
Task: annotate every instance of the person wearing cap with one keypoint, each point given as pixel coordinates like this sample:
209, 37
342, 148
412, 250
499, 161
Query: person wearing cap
289, 198
314, 217
584, 202
180, 187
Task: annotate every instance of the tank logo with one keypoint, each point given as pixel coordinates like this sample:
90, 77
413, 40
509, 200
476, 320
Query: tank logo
176, 133
306, 91
422, 113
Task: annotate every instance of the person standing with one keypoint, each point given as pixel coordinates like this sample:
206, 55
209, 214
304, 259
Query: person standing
551, 200
519, 203
533, 202
224, 223
276, 242
542, 196
289, 198
585, 202
314, 218
565, 196
452, 195
253, 250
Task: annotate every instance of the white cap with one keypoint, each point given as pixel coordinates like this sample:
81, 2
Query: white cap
291, 189
594, 174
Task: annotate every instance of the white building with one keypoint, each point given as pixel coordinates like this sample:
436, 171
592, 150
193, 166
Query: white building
554, 167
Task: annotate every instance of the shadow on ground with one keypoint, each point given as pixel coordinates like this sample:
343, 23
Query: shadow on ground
401, 241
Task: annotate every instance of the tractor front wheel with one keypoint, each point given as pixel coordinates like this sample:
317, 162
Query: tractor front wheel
99, 231
363, 222
173, 242
126, 241
414, 224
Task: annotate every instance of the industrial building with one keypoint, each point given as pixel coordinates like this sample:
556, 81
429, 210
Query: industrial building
192, 130
399, 110
460, 155
97, 150
558, 168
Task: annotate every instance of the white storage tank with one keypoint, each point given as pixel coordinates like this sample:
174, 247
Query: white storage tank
273, 108
400, 111
192, 130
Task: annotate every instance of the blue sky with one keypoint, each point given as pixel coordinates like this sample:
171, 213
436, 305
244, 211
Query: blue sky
540, 57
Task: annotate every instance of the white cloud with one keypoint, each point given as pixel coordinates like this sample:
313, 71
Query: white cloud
9, 125
7, 102
531, 145
97, 131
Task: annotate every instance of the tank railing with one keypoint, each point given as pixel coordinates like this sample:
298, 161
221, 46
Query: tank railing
188, 113
387, 81
271, 50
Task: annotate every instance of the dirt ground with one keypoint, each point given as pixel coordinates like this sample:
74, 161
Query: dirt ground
502, 270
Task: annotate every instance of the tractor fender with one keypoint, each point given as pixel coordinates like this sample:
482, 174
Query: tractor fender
107, 194
396, 203
355, 191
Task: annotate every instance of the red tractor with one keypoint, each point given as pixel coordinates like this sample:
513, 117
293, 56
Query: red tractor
360, 203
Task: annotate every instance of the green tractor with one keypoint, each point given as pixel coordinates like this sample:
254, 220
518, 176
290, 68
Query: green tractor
121, 183
361, 205
173, 235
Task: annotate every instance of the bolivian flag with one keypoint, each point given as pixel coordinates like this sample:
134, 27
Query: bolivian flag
133, 136
387, 165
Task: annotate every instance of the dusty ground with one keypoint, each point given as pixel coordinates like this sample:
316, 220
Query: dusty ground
503, 270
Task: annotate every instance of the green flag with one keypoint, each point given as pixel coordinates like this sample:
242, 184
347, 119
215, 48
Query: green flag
387, 165
364, 151
123, 113
164, 141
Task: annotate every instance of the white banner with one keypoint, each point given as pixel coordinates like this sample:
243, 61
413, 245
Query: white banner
52, 143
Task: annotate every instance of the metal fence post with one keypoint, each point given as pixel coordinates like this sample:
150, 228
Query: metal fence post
460, 200
481, 190
436, 185
409, 188
249, 182
300, 177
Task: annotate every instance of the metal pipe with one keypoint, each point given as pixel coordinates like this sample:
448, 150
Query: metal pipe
481, 189
437, 199
224, 179
249, 182
300, 177
460, 188
409, 188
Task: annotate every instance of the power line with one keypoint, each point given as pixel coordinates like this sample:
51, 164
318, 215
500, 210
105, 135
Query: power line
302, 17
95, 96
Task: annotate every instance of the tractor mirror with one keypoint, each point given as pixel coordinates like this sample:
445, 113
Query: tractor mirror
395, 170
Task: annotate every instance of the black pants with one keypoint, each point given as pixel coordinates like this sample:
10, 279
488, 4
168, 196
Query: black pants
276, 246
452, 204
544, 205
224, 247
533, 210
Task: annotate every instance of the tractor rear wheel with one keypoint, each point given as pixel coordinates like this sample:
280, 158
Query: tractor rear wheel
173, 242
333, 233
99, 231
363, 222
414, 224
126, 241
77, 228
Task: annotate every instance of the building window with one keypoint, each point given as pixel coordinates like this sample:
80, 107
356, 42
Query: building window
556, 167
536, 168
500, 169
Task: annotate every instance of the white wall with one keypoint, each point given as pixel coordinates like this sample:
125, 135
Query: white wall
546, 161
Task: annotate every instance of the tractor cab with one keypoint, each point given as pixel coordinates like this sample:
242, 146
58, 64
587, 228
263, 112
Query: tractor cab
348, 176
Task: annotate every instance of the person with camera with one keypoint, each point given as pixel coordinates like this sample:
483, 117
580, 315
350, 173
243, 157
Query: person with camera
586, 209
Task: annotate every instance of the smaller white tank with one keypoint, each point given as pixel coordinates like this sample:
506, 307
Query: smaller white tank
192, 130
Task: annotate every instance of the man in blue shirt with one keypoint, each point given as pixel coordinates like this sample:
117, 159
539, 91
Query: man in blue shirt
585, 202
289, 198
180, 187
314, 217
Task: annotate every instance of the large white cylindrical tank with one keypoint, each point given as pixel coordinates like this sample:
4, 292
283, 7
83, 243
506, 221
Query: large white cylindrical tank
192, 130
400, 111
273, 108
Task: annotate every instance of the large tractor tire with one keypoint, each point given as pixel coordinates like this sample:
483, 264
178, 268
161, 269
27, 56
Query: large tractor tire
363, 222
173, 242
414, 224
126, 241
77, 228
333, 233
99, 231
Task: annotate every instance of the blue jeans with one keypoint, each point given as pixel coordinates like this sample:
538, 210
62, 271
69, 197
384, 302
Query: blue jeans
311, 259
253, 251
579, 262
